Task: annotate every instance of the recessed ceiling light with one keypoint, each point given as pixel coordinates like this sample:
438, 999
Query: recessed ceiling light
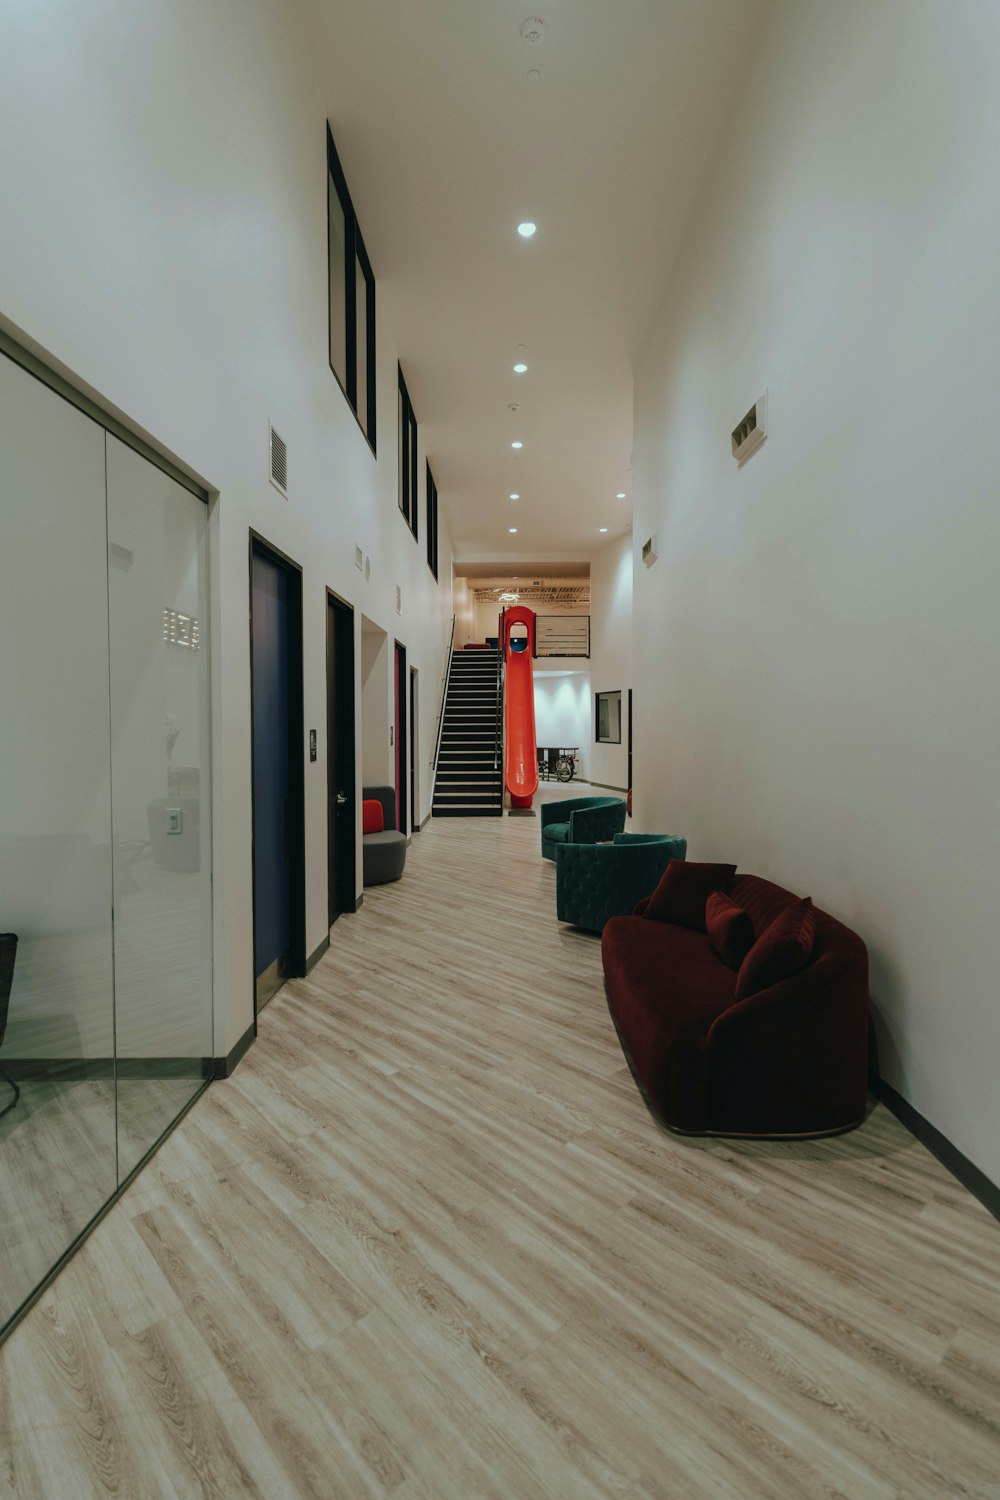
514, 495
620, 495
527, 229
512, 530
520, 369
516, 444
602, 528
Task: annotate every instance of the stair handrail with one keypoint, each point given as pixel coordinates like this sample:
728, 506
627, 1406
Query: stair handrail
444, 699
498, 744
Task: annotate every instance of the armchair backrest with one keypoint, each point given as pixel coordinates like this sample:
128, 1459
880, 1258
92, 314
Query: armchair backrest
599, 822
387, 796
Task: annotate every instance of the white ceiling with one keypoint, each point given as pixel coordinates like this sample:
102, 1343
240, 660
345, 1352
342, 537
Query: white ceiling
447, 146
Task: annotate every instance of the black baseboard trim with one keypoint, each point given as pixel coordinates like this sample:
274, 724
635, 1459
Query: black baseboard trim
107, 1069
960, 1167
315, 957
606, 786
359, 903
225, 1067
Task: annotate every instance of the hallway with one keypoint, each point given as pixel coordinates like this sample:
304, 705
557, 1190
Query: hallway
428, 1242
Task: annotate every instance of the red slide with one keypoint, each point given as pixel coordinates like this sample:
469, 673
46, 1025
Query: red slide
520, 759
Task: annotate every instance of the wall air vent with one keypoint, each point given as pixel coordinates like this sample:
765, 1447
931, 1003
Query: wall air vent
399, 600
359, 559
748, 435
649, 550
279, 463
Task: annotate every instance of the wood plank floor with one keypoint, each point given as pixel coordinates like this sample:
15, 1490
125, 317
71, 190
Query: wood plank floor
428, 1243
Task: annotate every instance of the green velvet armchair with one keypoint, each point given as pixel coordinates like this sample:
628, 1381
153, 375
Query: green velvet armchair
595, 882
580, 820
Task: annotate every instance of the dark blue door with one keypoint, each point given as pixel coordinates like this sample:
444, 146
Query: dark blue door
271, 864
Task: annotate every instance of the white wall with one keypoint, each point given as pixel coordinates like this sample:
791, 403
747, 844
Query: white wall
378, 709
562, 707
817, 645
464, 610
169, 249
611, 653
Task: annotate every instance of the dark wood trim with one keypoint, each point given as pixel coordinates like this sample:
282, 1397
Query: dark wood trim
296, 760
359, 902
401, 746
317, 954
225, 1067
88, 1069
959, 1165
341, 867
105, 1208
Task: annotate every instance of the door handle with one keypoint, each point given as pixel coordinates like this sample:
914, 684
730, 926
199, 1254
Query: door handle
341, 799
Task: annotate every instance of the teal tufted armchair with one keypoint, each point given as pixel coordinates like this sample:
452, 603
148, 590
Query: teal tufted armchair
595, 882
580, 820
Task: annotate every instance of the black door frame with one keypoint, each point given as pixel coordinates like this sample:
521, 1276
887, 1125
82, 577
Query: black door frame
630, 739
414, 825
296, 763
400, 695
341, 861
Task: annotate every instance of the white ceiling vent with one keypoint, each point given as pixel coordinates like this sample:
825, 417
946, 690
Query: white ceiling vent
748, 435
279, 463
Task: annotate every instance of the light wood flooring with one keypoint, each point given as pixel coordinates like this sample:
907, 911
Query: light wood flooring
427, 1242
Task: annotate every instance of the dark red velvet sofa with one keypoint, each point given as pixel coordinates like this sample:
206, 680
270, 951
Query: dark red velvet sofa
790, 1060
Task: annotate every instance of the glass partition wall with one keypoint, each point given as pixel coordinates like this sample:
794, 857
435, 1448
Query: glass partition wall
105, 846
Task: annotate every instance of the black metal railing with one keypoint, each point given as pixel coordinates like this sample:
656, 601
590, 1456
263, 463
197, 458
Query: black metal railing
444, 699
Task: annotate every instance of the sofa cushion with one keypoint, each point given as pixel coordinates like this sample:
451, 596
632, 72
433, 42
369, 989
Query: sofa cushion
558, 833
782, 949
665, 988
730, 930
372, 816
683, 891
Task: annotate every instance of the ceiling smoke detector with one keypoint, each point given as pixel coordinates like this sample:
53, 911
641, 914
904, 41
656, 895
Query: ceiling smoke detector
533, 30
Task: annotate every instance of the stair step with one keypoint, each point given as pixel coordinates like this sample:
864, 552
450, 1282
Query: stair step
467, 812
465, 799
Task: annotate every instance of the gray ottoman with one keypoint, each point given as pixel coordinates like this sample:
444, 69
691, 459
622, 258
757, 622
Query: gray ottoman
383, 855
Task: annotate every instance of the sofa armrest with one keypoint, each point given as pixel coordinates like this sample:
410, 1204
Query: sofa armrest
808, 1038
591, 825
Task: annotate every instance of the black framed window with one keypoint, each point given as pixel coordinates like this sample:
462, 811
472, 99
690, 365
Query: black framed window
408, 498
352, 298
432, 523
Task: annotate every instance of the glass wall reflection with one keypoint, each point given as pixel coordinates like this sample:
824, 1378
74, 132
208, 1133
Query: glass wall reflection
161, 813
105, 857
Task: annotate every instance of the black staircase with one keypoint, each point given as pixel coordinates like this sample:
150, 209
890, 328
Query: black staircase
469, 781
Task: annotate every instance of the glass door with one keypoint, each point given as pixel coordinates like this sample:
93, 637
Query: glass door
160, 803
57, 1088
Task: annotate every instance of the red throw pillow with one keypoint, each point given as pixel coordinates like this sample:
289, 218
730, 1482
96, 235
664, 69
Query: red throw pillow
730, 929
372, 816
782, 950
683, 890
